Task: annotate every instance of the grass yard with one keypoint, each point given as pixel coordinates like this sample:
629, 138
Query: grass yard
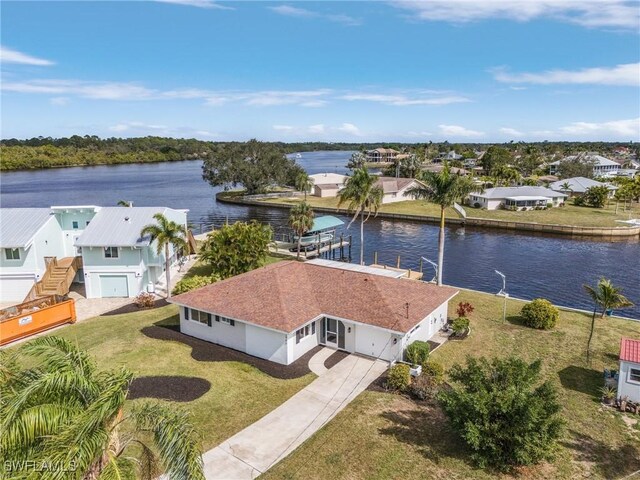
240, 394
388, 436
567, 215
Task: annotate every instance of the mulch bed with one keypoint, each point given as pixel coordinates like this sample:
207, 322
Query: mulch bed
176, 389
132, 307
204, 351
333, 359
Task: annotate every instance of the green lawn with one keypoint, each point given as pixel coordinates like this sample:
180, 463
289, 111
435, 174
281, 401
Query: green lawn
567, 215
388, 436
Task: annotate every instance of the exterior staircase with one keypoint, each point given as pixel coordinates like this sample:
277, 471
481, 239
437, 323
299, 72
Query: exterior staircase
57, 279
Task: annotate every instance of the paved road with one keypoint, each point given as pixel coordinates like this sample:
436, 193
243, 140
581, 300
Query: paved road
264, 443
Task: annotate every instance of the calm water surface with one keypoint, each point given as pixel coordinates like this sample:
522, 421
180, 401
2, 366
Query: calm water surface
536, 266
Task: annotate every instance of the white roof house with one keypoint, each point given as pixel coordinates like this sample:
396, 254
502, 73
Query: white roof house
20, 225
578, 185
602, 166
525, 197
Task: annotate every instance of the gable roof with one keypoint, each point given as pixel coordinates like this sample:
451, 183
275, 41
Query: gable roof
119, 227
598, 160
630, 350
286, 295
18, 226
393, 184
525, 191
579, 184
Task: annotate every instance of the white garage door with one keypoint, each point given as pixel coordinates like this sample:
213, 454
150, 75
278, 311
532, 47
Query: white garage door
15, 288
375, 343
114, 286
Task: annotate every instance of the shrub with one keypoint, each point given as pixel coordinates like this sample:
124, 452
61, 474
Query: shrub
191, 283
540, 313
145, 300
502, 411
399, 377
422, 387
476, 205
418, 352
434, 371
460, 325
464, 309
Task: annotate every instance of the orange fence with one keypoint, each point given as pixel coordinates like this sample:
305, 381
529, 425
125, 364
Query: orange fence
34, 317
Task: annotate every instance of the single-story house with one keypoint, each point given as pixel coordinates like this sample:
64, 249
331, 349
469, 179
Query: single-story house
439, 167
628, 172
516, 198
602, 166
396, 189
117, 261
579, 185
629, 376
450, 156
327, 184
281, 311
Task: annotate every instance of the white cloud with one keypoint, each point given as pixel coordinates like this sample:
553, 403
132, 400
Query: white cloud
298, 12
141, 128
621, 75
350, 128
283, 128
95, 90
8, 55
511, 131
623, 14
417, 98
628, 129
198, 3
59, 101
317, 129
458, 131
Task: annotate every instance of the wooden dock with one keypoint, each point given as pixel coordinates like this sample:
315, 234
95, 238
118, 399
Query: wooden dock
338, 250
410, 274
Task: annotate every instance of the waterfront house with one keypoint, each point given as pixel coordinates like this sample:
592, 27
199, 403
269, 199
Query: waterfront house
281, 311
394, 189
516, 198
602, 166
44, 250
117, 261
327, 184
382, 155
629, 375
579, 185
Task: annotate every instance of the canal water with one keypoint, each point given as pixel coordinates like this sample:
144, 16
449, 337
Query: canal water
552, 267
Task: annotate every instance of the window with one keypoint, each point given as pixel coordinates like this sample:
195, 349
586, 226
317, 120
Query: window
305, 331
226, 320
634, 375
12, 253
198, 316
111, 252
74, 225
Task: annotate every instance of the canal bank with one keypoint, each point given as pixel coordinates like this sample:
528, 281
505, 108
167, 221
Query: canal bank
602, 233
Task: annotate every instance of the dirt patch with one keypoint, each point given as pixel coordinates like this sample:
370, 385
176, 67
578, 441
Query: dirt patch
175, 389
336, 357
132, 307
204, 351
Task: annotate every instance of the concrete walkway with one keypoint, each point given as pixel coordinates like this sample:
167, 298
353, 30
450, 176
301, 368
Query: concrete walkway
261, 445
316, 363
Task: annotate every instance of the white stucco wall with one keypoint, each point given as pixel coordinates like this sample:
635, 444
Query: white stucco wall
128, 263
296, 350
266, 344
626, 387
375, 342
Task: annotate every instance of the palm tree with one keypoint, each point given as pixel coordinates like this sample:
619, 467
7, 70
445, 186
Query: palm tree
166, 233
606, 296
301, 221
62, 411
443, 188
125, 203
304, 183
361, 195
566, 187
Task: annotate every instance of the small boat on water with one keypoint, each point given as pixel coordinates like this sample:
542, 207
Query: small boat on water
298, 155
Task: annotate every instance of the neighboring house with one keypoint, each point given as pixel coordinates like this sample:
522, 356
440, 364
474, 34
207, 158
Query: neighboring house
602, 167
396, 189
117, 261
381, 155
579, 185
628, 172
438, 168
519, 198
327, 184
281, 311
447, 157
629, 375
29, 236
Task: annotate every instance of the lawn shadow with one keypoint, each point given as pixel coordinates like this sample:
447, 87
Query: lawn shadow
609, 462
203, 351
199, 269
173, 388
516, 320
581, 379
427, 428
132, 308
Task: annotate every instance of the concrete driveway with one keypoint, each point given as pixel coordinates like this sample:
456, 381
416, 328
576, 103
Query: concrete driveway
264, 443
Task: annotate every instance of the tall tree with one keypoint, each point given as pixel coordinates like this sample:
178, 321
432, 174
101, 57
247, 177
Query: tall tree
605, 296
495, 157
357, 161
304, 183
443, 188
62, 411
166, 232
363, 197
301, 221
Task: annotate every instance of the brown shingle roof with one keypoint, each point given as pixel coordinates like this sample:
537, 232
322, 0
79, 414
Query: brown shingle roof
393, 184
286, 295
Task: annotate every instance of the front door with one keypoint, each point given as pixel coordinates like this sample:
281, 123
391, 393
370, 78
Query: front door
333, 333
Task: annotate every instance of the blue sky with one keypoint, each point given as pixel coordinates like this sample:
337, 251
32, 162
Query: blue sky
456, 70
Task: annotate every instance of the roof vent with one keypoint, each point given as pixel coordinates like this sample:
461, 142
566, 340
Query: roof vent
127, 219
